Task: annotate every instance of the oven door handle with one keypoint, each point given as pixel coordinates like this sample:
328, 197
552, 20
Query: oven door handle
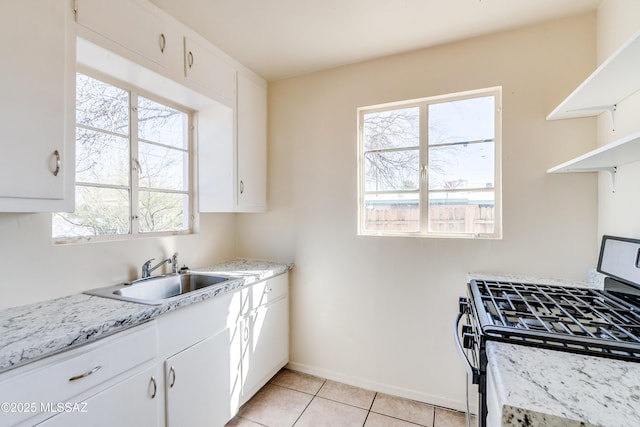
474, 372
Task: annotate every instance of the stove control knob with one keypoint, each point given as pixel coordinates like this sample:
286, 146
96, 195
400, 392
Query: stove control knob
467, 329
468, 341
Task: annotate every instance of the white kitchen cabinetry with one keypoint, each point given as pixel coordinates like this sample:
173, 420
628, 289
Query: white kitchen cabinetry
251, 144
263, 330
233, 177
208, 70
135, 401
194, 347
37, 40
197, 387
137, 26
96, 369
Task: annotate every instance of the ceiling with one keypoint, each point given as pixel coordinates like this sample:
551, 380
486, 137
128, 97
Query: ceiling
284, 38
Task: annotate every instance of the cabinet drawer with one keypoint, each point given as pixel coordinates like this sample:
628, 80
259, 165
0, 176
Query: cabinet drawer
62, 377
265, 292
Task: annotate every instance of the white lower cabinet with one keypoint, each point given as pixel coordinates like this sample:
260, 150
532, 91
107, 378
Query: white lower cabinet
266, 347
262, 337
100, 374
132, 402
191, 367
196, 384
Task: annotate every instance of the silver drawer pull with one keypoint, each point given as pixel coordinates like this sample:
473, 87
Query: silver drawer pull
268, 290
57, 156
163, 43
190, 59
172, 376
155, 387
86, 374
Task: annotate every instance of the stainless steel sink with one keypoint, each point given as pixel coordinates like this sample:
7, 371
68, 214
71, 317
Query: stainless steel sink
157, 290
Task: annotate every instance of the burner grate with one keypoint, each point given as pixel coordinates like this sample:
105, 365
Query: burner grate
575, 319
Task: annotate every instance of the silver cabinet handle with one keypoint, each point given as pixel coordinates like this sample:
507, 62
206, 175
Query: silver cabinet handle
86, 374
190, 59
172, 375
155, 387
56, 154
163, 43
246, 333
268, 290
241, 186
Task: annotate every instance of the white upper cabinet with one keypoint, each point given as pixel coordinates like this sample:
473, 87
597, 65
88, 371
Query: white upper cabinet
136, 26
37, 162
252, 144
208, 70
233, 177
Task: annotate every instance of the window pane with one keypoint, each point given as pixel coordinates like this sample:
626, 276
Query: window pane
392, 170
99, 212
163, 211
462, 212
101, 158
462, 166
159, 123
462, 121
162, 168
392, 129
392, 212
101, 105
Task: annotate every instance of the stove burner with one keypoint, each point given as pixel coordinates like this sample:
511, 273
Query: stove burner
570, 319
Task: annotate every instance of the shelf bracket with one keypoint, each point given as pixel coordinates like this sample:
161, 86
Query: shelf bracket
613, 171
612, 112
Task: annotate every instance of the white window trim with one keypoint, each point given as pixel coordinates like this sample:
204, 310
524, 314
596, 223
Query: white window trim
134, 233
424, 185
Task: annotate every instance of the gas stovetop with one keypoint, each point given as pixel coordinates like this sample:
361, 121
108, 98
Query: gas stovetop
578, 320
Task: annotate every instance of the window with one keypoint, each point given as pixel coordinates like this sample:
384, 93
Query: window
132, 165
431, 167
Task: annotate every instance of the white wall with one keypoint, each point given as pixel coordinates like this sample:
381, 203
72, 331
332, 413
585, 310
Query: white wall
33, 269
618, 212
378, 312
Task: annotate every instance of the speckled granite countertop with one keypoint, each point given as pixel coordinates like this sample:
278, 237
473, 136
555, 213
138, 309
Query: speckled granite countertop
555, 389
540, 387
34, 331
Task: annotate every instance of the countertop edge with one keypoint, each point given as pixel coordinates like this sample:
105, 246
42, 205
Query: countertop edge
27, 336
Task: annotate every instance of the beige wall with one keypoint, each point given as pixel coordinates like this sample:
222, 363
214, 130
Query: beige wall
33, 269
378, 312
617, 21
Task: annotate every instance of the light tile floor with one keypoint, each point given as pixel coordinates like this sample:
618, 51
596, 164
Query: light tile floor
293, 398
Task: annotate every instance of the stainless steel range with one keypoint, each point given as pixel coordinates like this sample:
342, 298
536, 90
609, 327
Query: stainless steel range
604, 323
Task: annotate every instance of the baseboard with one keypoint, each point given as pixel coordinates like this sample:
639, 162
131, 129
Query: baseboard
430, 399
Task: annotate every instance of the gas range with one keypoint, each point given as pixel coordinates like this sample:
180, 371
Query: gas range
603, 323
586, 321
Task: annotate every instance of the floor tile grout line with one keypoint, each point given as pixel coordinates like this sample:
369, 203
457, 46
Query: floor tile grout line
308, 404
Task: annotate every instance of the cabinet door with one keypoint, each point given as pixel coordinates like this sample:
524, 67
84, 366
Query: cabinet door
197, 384
252, 144
266, 345
136, 401
209, 71
135, 25
37, 40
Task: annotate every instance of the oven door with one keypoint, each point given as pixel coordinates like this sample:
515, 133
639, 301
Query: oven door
469, 343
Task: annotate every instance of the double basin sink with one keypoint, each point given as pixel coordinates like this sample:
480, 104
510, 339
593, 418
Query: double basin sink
156, 290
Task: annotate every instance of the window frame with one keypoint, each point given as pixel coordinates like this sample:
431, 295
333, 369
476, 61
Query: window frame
133, 186
423, 187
